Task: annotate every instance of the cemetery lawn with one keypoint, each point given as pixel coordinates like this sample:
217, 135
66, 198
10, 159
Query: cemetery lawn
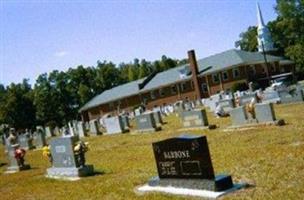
270, 158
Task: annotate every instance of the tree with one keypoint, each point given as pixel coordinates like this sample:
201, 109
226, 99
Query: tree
248, 41
17, 108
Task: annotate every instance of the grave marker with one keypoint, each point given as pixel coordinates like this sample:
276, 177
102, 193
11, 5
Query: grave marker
114, 125
65, 162
94, 130
146, 123
184, 162
194, 118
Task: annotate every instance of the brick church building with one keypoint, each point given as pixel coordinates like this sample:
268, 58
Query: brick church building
196, 80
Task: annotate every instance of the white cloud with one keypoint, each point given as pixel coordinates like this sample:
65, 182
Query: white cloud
61, 53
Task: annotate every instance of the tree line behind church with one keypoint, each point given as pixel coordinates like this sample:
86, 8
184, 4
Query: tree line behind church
56, 96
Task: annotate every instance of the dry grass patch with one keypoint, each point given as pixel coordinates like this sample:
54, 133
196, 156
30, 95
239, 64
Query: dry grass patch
271, 158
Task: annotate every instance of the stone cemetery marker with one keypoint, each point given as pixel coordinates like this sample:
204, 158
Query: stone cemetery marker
25, 141
247, 99
16, 158
264, 112
158, 118
114, 125
238, 116
125, 121
39, 137
194, 118
49, 132
185, 162
81, 129
271, 97
65, 162
226, 104
94, 130
145, 122
295, 96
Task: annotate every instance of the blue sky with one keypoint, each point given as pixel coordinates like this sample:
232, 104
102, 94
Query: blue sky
40, 36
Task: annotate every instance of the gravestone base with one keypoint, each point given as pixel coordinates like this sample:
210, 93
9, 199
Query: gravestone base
279, 122
148, 130
212, 126
70, 173
13, 169
220, 183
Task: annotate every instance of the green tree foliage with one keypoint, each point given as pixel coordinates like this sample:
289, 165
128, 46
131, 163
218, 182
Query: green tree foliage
57, 96
16, 107
248, 41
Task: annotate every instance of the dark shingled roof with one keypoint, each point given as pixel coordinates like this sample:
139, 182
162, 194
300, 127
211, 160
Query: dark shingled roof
218, 62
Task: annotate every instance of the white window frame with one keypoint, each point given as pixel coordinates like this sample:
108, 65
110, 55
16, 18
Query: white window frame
183, 86
204, 87
227, 75
252, 69
173, 91
161, 92
152, 94
215, 76
236, 70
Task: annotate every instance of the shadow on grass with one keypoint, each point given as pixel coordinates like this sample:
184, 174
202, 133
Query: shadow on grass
2, 164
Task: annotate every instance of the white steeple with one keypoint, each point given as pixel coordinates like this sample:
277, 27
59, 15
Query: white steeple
264, 37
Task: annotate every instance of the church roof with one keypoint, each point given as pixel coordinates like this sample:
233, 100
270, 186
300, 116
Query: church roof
218, 62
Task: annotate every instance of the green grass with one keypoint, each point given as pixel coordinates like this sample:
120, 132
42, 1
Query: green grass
271, 158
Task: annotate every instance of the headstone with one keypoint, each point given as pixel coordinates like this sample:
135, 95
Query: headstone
158, 118
271, 97
94, 130
25, 141
49, 132
226, 104
15, 164
65, 163
81, 129
238, 116
184, 162
114, 125
264, 112
125, 121
145, 122
56, 131
243, 100
39, 137
291, 97
194, 118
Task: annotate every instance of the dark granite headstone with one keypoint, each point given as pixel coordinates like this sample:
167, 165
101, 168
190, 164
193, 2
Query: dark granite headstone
194, 118
145, 122
185, 162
